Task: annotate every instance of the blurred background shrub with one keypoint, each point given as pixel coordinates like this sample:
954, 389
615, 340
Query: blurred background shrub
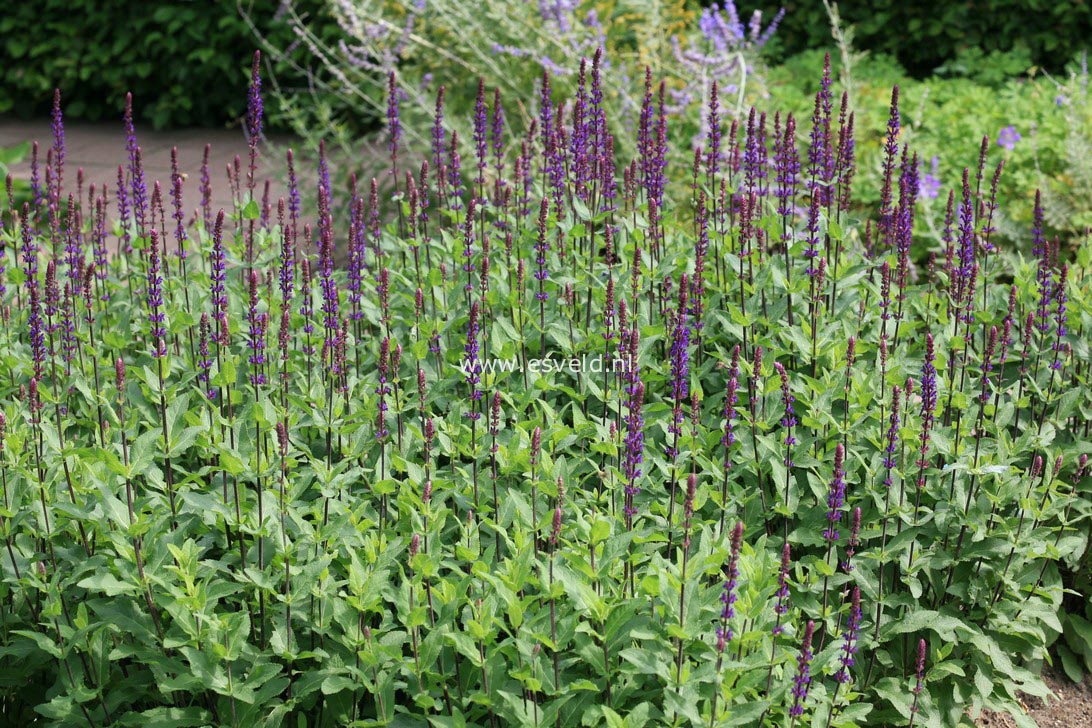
183, 60
953, 35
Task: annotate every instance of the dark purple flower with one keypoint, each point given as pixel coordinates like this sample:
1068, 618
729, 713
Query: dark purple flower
156, 317
787, 163
788, 420
472, 365
58, 148
836, 496
137, 186
811, 252
254, 114
802, 679
258, 322
481, 141
849, 638
680, 363
854, 540
1060, 317
394, 123
919, 673
455, 172
891, 152
728, 592
218, 268
36, 194
892, 449
730, 397
204, 357
496, 133
542, 246
782, 593
635, 442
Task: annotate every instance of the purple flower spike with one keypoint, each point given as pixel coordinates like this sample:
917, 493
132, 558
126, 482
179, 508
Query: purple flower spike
782, 606
728, 593
258, 322
680, 363
541, 248
919, 673
58, 148
802, 680
849, 643
472, 365
788, 420
854, 540
892, 448
836, 496
156, 318
254, 114
635, 440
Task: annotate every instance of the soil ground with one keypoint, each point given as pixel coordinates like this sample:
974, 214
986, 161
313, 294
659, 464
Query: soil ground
1071, 708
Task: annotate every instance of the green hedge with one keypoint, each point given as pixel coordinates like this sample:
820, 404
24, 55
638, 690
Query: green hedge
925, 36
185, 62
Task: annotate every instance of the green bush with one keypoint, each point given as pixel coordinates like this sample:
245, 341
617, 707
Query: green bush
924, 36
181, 60
1050, 114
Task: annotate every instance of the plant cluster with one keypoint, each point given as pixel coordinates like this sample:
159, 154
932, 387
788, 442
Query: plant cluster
1034, 122
811, 482
429, 45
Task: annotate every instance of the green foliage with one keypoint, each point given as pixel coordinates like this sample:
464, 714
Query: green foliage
1052, 116
339, 529
925, 36
179, 59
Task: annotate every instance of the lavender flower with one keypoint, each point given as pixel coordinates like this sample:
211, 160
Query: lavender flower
929, 185
1008, 137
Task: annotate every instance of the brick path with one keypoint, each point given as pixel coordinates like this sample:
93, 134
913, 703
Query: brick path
99, 148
